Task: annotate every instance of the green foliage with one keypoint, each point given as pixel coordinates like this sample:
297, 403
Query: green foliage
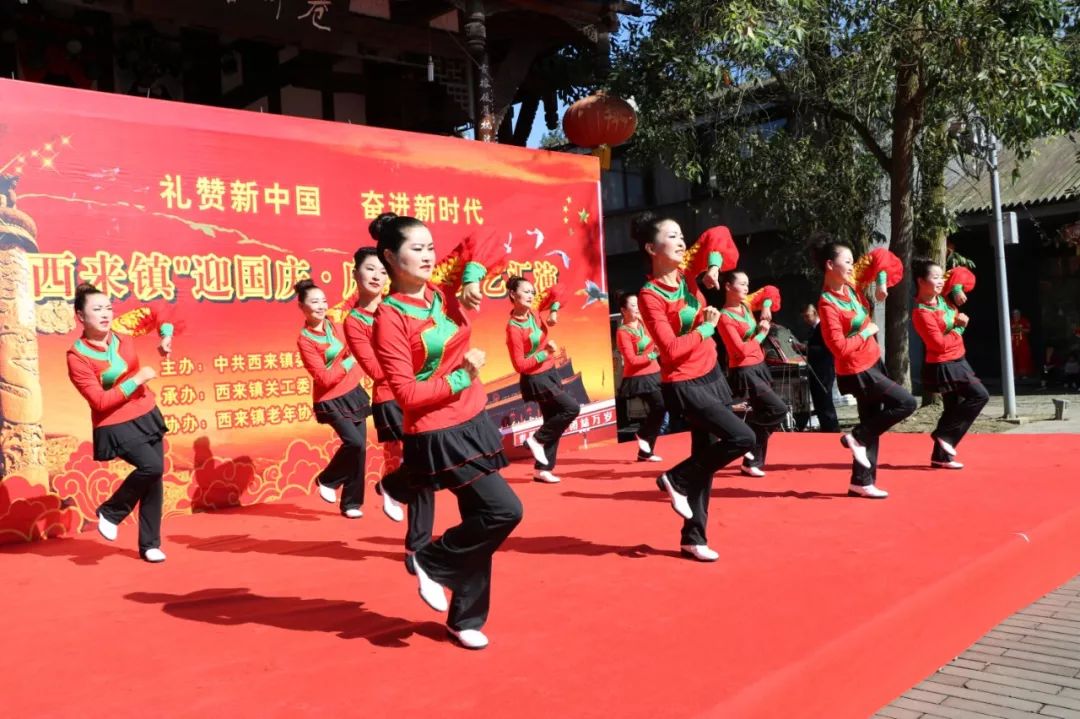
851, 79
553, 139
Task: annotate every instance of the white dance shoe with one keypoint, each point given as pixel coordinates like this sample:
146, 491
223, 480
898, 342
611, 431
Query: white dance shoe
643, 446
946, 447
546, 477
107, 529
328, 494
752, 471
154, 555
679, 502
354, 513
700, 552
433, 593
537, 450
868, 491
390, 506
858, 451
951, 464
651, 458
469, 638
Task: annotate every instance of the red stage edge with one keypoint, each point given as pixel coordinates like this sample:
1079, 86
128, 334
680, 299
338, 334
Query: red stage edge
897, 649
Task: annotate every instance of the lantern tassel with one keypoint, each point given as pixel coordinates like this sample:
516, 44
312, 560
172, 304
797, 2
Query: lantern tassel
604, 153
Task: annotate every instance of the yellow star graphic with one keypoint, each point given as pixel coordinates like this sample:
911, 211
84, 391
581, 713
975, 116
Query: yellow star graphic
583, 215
569, 199
48, 147
46, 163
65, 140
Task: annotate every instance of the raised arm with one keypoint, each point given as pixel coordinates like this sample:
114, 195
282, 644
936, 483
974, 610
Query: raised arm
627, 345
391, 342
315, 364
672, 347
833, 335
88, 384
359, 341
933, 336
523, 362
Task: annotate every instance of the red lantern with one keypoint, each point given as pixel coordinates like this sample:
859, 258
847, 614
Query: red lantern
599, 120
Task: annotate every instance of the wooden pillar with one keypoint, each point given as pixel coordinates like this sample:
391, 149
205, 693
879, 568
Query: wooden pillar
476, 41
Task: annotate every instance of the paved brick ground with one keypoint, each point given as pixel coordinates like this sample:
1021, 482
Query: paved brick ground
1027, 666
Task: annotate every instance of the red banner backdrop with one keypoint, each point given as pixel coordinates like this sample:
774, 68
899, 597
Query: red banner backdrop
217, 213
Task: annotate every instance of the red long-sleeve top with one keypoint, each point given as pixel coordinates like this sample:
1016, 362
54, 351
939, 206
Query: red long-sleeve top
526, 340
421, 343
844, 317
936, 325
332, 367
359, 327
103, 375
673, 318
741, 336
639, 352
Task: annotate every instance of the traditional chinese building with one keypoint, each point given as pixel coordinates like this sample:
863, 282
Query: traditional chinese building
436, 66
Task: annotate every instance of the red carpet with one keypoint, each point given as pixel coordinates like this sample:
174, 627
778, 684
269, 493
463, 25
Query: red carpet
821, 606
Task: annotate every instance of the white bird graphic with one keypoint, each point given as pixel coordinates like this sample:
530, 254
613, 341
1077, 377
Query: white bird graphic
509, 240
565, 257
538, 234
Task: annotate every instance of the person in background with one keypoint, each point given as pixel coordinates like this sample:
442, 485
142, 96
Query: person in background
1021, 345
822, 371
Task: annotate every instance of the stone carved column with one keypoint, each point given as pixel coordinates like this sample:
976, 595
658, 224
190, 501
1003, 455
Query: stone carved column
22, 438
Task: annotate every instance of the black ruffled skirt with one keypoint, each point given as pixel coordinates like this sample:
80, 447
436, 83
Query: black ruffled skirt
352, 406
868, 381
709, 389
456, 456
945, 377
389, 421
750, 381
540, 387
114, 440
639, 386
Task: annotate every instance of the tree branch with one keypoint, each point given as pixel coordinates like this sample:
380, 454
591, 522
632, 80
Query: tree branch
839, 113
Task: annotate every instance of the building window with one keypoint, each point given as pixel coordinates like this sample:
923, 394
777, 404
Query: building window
623, 186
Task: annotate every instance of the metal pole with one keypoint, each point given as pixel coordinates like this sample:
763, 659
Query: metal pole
1008, 385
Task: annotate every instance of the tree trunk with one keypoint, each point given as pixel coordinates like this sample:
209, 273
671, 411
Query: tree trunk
932, 233
907, 113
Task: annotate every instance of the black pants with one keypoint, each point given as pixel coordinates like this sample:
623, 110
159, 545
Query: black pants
821, 384
461, 558
419, 500
346, 467
767, 411
963, 403
559, 410
717, 437
882, 404
143, 487
650, 426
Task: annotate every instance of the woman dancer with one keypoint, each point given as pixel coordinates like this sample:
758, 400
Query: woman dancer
370, 276
849, 333
337, 399
422, 339
641, 375
105, 369
748, 374
945, 369
533, 355
677, 318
